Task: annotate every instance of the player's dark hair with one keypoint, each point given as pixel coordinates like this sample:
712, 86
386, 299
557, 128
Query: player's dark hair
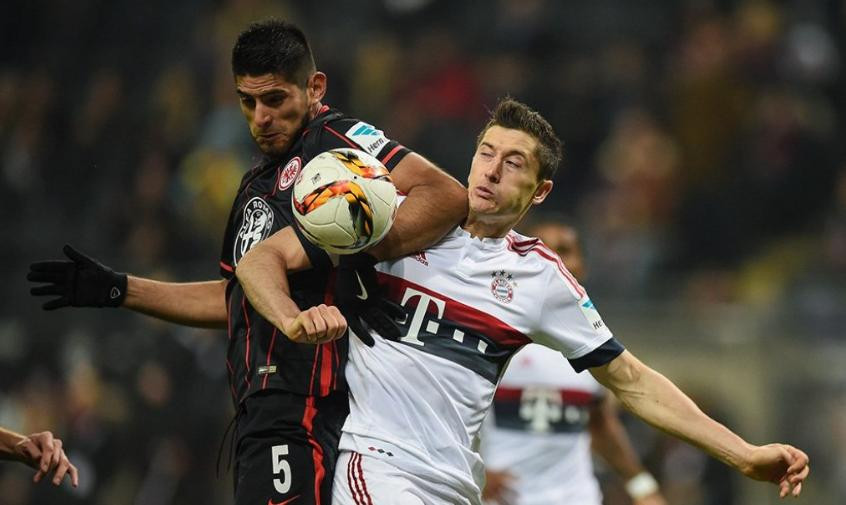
273, 46
514, 115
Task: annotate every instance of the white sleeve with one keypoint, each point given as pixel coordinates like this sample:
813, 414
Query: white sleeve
569, 322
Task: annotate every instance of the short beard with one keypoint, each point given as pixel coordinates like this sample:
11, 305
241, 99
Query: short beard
292, 139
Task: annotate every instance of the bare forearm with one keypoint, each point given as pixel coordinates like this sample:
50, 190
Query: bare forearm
199, 304
263, 274
8, 440
652, 397
434, 205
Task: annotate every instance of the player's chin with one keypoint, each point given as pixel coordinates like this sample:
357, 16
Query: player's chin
483, 206
274, 147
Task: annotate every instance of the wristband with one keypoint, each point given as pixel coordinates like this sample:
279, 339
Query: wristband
641, 485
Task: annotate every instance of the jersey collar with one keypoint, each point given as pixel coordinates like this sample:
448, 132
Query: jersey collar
486, 242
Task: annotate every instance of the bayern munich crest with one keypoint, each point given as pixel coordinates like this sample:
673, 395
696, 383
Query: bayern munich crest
502, 286
255, 227
289, 173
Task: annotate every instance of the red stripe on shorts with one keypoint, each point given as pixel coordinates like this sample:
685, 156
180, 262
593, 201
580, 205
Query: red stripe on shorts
316, 449
352, 481
363, 483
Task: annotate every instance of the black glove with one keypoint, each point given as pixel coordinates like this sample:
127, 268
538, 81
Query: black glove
81, 282
359, 298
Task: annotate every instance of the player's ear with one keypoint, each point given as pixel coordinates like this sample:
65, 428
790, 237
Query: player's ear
316, 87
543, 189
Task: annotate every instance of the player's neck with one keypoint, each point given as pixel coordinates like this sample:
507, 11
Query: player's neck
484, 226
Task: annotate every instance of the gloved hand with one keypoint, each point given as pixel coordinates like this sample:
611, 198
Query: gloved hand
359, 298
81, 282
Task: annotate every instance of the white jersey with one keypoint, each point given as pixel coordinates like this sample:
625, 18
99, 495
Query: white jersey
537, 430
419, 402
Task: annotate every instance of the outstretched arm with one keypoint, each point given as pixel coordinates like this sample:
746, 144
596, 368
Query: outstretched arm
611, 442
82, 281
656, 400
436, 202
199, 304
40, 451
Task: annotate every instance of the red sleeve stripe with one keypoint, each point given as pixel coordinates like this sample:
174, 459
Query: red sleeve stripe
226, 267
342, 137
391, 154
543, 251
522, 243
566, 273
549, 254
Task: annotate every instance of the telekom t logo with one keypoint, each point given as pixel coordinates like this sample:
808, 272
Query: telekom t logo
432, 325
540, 407
420, 313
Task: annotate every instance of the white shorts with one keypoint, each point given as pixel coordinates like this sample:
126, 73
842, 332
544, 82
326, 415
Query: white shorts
365, 480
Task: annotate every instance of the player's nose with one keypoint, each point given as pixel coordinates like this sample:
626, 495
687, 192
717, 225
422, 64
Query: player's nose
493, 171
263, 116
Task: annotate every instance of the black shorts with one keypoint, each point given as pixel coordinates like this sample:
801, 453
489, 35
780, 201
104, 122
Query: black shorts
287, 447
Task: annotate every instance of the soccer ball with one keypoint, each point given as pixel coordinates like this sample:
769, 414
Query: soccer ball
344, 200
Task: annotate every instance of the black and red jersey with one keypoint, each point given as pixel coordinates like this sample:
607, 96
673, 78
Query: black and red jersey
260, 356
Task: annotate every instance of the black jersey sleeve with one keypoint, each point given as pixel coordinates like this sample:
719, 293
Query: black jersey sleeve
350, 132
227, 269
318, 257
602, 355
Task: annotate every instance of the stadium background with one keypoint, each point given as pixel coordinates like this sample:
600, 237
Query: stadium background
704, 166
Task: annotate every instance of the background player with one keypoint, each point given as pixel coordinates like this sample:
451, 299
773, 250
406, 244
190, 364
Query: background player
471, 302
545, 419
291, 398
41, 451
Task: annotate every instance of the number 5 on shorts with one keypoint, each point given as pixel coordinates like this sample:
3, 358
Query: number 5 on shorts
280, 466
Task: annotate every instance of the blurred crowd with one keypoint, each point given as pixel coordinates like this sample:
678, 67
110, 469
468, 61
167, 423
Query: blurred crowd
704, 155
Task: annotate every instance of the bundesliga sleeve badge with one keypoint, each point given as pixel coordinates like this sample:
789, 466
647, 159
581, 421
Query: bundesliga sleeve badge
368, 137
